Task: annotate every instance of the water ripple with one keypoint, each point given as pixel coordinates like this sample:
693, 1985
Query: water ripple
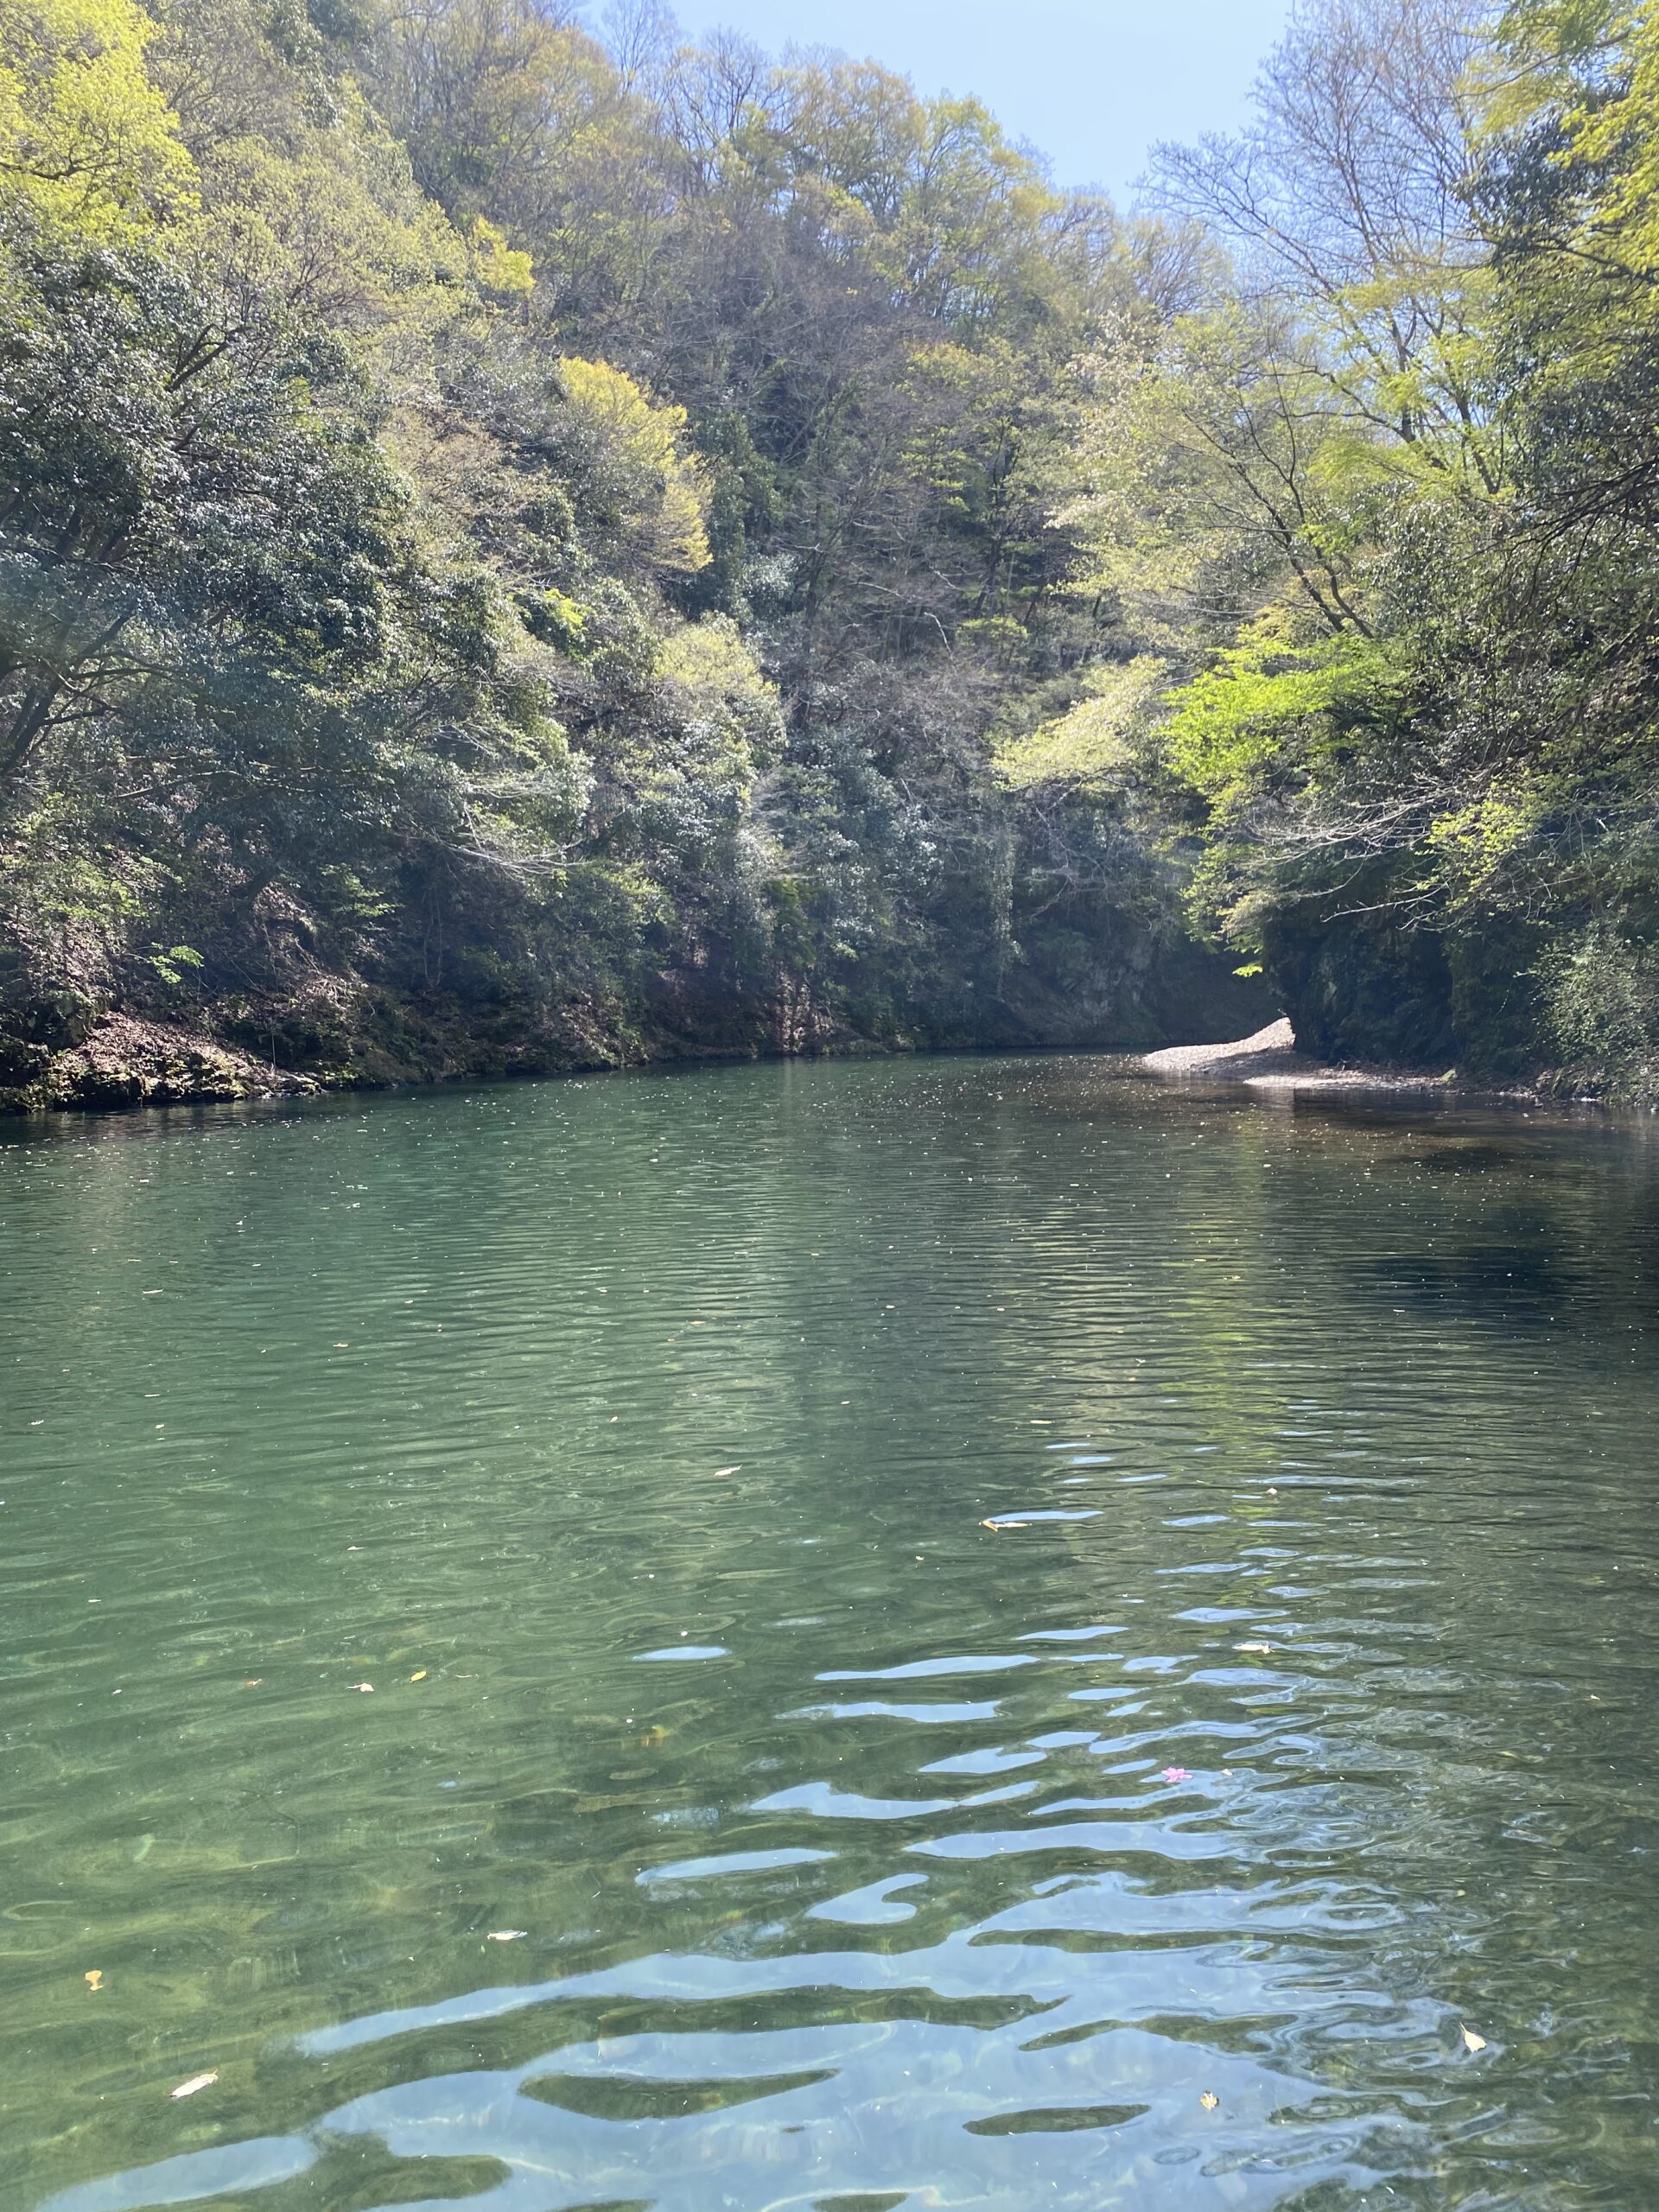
507, 1489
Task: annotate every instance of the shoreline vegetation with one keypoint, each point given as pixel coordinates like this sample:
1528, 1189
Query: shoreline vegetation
526, 547
124, 1063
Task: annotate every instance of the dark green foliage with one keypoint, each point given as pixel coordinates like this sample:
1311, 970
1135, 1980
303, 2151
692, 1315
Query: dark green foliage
1383, 508
409, 664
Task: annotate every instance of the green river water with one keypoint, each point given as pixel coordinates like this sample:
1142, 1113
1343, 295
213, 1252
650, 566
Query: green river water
737, 1821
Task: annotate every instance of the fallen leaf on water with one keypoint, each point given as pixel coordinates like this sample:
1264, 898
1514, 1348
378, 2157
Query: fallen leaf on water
196, 2082
419, 1677
1209, 2101
1472, 2041
1005, 1524
368, 1688
1252, 1647
730, 1470
506, 1934
95, 1979
255, 1683
1177, 1774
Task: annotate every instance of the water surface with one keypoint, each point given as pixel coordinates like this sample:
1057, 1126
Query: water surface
965, 1633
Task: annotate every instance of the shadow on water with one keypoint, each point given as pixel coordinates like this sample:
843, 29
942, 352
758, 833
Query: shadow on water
964, 1632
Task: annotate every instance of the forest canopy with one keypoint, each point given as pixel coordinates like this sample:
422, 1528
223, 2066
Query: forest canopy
529, 545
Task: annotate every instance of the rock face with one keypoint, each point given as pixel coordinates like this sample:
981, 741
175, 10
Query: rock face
1357, 988
1140, 992
1366, 994
122, 1061
1123, 989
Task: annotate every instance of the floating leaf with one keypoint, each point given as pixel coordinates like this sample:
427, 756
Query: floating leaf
366, 1687
418, 1677
196, 2082
1472, 2041
1177, 1774
95, 1979
730, 1470
1209, 2101
1252, 1647
255, 1683
506, 1934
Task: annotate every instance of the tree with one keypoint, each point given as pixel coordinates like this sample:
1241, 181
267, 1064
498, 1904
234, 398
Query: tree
515, 547
87, 143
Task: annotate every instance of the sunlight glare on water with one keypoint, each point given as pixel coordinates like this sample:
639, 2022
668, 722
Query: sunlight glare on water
968, 1632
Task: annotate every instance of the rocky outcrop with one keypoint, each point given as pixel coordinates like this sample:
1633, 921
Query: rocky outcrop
124, 1061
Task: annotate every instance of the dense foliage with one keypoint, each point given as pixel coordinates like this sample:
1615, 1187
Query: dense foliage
517, 551
1381, 507
522, 549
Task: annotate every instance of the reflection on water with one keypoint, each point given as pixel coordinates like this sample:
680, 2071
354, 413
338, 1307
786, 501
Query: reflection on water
972, 1633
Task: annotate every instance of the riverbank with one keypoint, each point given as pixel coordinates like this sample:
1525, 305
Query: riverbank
123, 1060
60, 1054
1268, 1060
126, 1061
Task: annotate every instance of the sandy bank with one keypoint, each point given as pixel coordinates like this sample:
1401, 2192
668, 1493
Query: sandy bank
1270, 1061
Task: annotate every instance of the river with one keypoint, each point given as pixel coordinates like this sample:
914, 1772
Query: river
964, 1633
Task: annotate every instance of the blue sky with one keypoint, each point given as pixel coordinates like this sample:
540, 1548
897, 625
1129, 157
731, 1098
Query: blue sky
1092, 82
